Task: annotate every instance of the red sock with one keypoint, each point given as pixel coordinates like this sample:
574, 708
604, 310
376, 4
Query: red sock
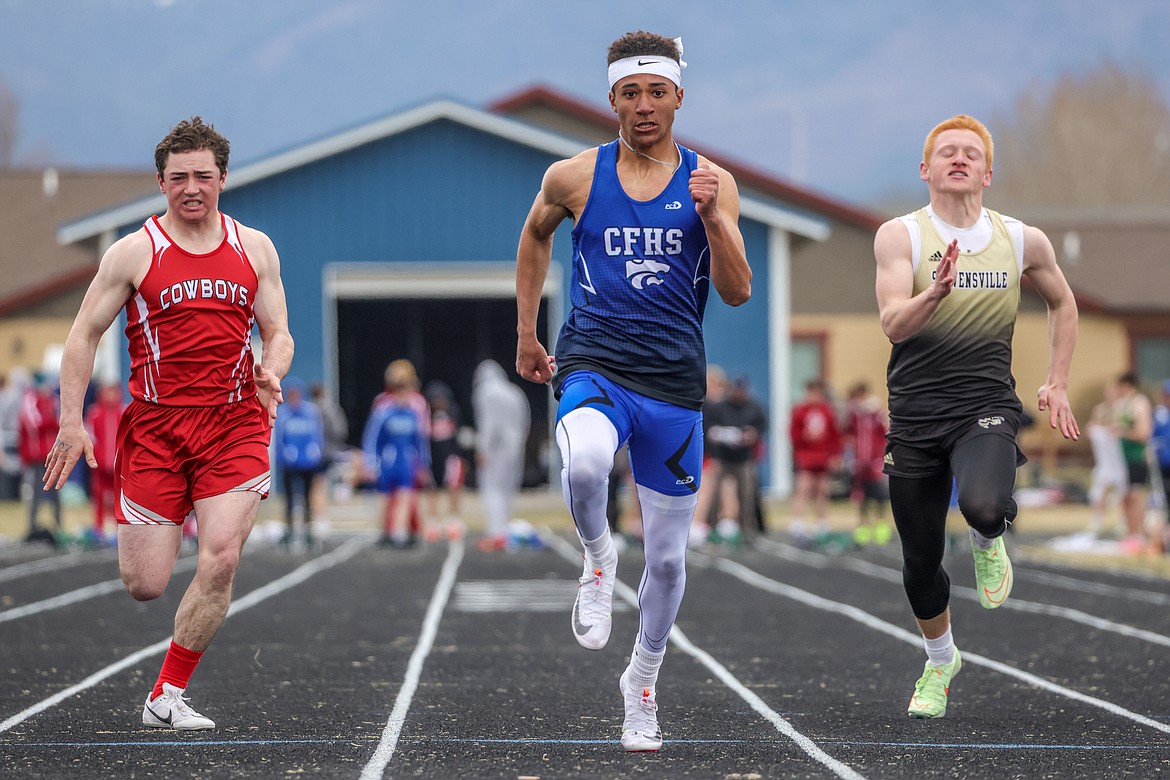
415, 520
177, 668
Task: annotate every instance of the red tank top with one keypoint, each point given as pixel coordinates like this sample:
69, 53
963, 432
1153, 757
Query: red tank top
189, 324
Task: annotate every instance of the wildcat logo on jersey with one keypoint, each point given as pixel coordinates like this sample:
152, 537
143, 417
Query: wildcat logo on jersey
643, 272
190, 289
987, 422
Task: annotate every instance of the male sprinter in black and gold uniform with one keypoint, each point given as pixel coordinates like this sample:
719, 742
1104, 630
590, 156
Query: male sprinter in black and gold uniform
948, 289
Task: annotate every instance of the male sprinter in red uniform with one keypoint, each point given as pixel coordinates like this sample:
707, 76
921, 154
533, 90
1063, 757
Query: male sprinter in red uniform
195, 436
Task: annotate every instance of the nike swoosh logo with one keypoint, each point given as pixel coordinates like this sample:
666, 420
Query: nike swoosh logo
578, 626
166, 720
646, 62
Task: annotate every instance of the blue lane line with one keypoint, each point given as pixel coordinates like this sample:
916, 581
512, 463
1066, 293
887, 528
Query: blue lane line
195, 742
993, 746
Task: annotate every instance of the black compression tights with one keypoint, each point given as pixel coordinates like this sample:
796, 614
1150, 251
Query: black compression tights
985, 469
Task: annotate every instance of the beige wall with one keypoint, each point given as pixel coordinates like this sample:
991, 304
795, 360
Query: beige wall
23, 340
835, 276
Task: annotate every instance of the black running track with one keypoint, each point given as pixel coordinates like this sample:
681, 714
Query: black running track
446, 662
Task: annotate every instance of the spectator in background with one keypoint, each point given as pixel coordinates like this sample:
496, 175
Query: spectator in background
101, 420
1135, 422
38, 432
1110, 479
502, 420
396, 449
1161, 442
448, 469
816, 451
738, 423
866, 424
298, 439
404, 371
336, 447
11, 392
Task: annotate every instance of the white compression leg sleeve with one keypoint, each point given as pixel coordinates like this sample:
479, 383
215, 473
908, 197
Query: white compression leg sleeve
666, 525
588, 441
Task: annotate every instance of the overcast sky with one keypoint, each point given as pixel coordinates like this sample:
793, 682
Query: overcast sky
836, 96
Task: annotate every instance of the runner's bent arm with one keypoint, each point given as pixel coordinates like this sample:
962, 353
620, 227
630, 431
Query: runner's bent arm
272, 319
533, 257
904, 314
717, 204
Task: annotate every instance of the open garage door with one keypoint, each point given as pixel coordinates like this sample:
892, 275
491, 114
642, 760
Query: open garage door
445, 322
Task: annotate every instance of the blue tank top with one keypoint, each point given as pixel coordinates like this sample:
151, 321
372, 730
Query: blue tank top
639, 288
393, 436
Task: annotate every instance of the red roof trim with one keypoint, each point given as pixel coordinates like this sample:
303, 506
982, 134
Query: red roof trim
46, 290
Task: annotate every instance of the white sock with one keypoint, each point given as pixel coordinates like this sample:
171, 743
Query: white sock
981, 541
940, 651
644, 666
600, 550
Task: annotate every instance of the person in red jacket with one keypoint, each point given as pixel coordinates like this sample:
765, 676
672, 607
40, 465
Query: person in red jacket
866, 423
38, 432
101, 420
816, 451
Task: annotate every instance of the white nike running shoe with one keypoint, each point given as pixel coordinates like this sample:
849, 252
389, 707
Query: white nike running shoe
640, 732
170, 710
593, 609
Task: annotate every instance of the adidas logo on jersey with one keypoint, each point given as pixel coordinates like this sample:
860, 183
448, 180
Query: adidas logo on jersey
936, 257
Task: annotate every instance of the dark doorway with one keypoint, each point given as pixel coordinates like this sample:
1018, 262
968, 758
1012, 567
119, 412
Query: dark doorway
445, 338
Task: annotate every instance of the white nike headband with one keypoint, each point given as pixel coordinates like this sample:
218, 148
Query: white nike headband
649, 63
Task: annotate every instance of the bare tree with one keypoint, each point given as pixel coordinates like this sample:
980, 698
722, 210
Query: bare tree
9, 124
1101, 138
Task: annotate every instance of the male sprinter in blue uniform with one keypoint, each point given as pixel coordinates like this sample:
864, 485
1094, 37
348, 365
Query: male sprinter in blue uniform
655, 225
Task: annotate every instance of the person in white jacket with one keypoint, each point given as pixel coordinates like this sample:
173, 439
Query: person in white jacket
502, 419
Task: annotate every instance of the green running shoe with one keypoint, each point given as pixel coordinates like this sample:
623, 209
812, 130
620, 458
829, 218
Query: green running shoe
933, 687
993, 574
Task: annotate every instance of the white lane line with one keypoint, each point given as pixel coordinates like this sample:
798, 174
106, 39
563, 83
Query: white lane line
1018, 605
1099, 588
531, 595
572, 555
755, 579
295, 577
81, 594
1078, 584
376, 766
55, 563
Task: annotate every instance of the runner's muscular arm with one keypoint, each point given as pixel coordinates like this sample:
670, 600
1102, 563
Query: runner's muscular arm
119, 271
717, 204
902, 313
272, 319
559, 199
1041, 268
